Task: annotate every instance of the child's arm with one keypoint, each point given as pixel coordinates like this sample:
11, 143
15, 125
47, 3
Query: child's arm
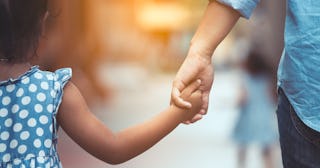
93, 136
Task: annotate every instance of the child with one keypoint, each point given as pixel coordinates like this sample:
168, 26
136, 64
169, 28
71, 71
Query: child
257, 121
34, 103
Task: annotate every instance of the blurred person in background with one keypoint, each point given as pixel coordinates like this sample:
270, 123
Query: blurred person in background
298, 73
256, 121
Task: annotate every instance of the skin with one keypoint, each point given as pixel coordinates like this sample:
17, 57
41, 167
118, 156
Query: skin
216, 23
114, 148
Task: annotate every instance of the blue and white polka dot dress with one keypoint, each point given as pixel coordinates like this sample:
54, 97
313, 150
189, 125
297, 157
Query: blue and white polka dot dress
28, 127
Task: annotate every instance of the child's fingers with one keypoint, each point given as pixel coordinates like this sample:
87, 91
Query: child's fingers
177, 100
194, 86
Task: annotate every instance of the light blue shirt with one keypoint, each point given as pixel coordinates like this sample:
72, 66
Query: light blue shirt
299, 69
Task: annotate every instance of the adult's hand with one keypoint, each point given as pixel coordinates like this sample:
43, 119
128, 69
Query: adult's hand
216, 23
194, 67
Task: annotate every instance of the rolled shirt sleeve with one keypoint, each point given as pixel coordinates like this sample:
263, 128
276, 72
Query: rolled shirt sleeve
244, 7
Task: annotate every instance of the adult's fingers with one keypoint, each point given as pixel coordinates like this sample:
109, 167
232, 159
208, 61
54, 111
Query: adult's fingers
205, 103
196, 118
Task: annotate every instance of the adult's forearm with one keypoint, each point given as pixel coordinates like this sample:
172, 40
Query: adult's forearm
216, 23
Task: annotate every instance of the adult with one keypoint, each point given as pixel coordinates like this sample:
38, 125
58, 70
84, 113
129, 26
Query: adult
298, 74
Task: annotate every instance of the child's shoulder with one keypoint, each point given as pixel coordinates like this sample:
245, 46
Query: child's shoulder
59, 75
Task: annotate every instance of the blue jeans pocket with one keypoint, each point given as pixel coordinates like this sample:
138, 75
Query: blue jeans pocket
308, 133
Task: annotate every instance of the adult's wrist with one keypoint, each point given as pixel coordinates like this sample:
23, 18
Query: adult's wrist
202, 54
201, 48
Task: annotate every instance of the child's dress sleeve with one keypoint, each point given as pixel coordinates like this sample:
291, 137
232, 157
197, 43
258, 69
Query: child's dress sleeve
61, 78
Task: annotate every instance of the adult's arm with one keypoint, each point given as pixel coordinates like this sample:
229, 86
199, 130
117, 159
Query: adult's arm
217, 22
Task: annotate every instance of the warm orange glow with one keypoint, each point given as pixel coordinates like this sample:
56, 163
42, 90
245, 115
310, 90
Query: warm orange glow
162, 16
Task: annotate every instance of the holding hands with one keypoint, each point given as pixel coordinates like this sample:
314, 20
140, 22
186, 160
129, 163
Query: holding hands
194, 67
192, 94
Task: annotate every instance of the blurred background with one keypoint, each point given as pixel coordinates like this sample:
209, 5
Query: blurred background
124, 55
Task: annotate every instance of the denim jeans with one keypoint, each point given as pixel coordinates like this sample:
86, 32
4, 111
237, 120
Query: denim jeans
300, 145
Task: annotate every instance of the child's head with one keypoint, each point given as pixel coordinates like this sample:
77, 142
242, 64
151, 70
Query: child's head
20, 28
255, 64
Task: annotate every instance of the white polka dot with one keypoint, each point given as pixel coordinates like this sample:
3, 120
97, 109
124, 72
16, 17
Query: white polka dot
10, 88
48, 165
26, 100
29, 156
53, 94
41, 97
1, 92
13, 144
22, 166
22, 149
33, 88
3, 112
49, 77
17, 127
20, 92
17, 161
47, 143
4, 135
44, 85
40, 159
6, 157
9, 166
43, 119
32, 122
32, 164
23, 114
38, 108
50, 108
15, 108
42, 153
37, 143
8, 122
56, 77
3, 147
24, 135
26, 80
57, 85
39, 131
6, 100
38, 75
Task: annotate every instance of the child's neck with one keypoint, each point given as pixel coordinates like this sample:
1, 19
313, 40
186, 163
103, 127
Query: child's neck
13, 70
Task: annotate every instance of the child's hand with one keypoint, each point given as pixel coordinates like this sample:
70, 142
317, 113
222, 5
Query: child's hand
193, 95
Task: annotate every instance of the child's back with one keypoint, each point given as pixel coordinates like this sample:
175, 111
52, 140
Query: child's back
28, 108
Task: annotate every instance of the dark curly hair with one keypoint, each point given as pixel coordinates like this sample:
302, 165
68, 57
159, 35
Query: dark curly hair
20, 28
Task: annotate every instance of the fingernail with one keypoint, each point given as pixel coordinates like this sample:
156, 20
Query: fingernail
189, 105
